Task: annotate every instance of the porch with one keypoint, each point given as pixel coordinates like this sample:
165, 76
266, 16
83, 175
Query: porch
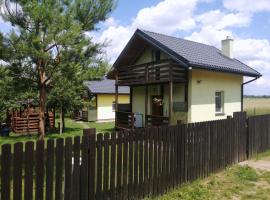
158, 90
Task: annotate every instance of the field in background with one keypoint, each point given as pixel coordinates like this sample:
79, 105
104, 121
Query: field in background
257, 106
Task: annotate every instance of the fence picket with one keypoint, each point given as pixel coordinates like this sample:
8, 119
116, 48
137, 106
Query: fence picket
59, 168
5, 171
112, 170
76, 168
68, 169
29, 165
119, 165
39, 169
84, 168
99, 166
106, 166
130, 165
125, 166
49, 169
17, 171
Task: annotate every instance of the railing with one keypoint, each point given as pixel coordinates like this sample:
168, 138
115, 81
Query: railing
152, 72
155, 120
125, 120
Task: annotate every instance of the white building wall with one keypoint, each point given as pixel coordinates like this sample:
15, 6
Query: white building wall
202, 87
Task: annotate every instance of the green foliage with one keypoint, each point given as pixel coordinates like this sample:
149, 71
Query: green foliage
49, 48
246, 173
196, 192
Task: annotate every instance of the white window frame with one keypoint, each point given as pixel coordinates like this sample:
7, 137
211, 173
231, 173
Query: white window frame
221, 96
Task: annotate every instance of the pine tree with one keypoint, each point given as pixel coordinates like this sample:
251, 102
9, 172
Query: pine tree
43, 31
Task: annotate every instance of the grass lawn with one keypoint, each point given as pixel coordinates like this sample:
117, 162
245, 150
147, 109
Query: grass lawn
238, 182
72, 129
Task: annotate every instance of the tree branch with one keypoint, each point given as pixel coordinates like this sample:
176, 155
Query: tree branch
57, 62
49, 48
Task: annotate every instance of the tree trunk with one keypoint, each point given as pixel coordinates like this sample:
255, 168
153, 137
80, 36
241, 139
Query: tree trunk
42, 103
61, 120
42, 108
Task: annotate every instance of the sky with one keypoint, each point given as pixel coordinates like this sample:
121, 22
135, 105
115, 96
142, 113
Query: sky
205, 21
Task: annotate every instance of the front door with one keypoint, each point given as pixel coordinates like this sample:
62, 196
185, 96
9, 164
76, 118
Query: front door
157, 105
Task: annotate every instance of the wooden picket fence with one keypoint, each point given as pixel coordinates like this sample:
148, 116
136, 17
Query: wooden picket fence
258, 134
129, 165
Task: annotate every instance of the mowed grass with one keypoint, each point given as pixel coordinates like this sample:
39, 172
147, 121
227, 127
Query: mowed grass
237, 182
73, 129
257, 106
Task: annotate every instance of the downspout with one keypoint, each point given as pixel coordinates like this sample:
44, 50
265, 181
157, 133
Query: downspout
242, 90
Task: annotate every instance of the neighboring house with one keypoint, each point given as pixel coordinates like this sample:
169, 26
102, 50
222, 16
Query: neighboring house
174, 80
101, 95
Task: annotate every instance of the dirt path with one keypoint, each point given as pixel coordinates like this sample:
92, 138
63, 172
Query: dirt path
262, 164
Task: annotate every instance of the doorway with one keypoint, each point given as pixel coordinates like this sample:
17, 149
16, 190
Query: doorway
157, 105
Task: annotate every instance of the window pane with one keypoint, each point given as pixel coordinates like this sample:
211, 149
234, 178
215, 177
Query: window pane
218, 102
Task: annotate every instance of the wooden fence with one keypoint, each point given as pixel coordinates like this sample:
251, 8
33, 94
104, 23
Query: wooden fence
129, 165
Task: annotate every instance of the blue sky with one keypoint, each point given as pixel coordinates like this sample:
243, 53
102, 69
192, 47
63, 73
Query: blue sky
206, 21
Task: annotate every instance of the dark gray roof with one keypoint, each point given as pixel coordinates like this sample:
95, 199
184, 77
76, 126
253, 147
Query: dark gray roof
105, 86
196, 54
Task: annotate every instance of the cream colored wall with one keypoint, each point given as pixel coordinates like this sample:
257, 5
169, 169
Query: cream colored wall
147, 56
104, 105
202, 95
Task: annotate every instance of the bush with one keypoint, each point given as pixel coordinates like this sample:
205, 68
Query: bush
246, 173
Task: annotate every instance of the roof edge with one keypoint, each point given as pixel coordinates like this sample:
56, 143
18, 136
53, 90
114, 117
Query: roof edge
209, 68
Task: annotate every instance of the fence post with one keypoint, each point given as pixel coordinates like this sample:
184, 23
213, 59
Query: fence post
248, 139
91, 132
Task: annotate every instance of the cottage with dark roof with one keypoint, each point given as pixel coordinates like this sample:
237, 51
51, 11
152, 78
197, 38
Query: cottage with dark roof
101, 95
174, 80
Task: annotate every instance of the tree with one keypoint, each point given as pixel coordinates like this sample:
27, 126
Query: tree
68, 92
44, 29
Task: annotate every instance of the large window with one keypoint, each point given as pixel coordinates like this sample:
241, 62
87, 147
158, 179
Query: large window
219, 100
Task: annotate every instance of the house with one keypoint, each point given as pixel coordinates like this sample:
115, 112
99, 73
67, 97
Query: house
101, 104
174, 80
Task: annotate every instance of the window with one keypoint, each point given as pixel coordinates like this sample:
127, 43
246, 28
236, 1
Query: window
219, 102
113, 106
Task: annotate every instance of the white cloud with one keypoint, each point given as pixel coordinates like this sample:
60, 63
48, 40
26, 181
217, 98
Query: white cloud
250, 6
115, 38
171, 16
209, 35
250, 49
221, 20
110, 22
168, 16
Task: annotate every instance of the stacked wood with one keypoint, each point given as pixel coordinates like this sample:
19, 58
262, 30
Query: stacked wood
27, 121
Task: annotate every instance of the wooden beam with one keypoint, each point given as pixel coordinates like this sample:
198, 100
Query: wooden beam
116, 98
146, 105
186, 88
130, 98
170, 101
